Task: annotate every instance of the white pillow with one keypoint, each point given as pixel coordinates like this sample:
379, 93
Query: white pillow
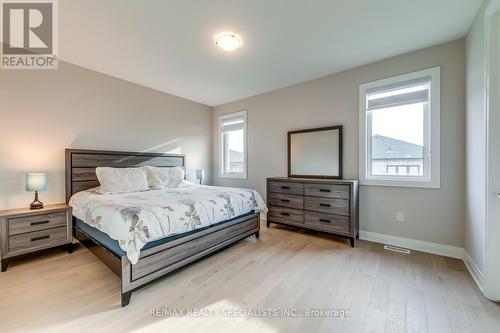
121, 180
162, 178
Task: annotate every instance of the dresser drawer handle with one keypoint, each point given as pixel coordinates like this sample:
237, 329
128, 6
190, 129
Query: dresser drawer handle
34, 239
325, 220
285, 187
285, 200
39, 222
285, 214
324, 205
324, 190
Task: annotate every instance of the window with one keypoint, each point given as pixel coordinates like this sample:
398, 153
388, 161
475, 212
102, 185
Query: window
399, 130
232, 145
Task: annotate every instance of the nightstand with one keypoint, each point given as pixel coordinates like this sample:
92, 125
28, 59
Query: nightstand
24, 231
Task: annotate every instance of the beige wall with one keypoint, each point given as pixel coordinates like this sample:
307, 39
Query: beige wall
475, 218
434, 215
43, 112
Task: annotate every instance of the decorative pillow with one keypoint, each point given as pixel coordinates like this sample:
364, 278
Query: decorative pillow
121, 180
162, 178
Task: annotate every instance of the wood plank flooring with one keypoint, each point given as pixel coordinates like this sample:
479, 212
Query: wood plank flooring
285, 269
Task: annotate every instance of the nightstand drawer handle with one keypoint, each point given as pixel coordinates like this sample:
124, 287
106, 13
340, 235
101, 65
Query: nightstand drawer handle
39, 222
324, 190
285, 200
325, 220
34, 239
324, 205
285, 187
285, 214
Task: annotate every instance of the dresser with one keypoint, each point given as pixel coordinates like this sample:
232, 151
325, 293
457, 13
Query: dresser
24, 231
325, 205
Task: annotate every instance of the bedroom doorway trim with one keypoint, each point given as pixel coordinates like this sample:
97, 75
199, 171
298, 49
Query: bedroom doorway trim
492, 77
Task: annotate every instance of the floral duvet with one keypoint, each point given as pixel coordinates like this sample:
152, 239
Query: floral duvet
134, 219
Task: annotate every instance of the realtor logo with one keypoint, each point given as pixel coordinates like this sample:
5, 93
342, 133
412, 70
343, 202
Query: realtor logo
29, 34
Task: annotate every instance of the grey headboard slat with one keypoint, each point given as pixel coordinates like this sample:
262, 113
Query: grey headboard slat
81, 163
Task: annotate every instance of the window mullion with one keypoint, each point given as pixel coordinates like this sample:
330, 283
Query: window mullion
427, 141
368, 145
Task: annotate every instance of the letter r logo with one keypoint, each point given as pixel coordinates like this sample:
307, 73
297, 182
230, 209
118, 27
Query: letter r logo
27, 27
17, 28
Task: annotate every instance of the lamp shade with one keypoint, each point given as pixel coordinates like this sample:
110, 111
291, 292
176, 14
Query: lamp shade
36, 181
200, 174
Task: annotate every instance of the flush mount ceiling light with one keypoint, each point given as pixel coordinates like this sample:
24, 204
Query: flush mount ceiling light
228, 41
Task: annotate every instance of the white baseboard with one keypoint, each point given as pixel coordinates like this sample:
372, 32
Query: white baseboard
474, 270
413, 244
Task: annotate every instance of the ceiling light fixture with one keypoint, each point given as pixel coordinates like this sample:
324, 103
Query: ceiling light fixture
228, 41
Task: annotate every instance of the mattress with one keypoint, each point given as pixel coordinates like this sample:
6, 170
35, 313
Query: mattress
138, 218
113, 246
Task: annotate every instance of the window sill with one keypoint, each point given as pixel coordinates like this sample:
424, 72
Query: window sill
401, 183
233, 176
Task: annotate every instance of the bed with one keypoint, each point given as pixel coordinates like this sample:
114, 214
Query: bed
169, 245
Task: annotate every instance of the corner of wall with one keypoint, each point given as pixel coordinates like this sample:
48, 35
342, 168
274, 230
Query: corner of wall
474, 270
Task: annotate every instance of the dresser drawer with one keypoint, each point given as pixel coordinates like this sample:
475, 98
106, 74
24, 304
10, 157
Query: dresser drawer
335, 223
285, 215
327, 190
286, 187
20, 225
327, 205
42, 238
286, 200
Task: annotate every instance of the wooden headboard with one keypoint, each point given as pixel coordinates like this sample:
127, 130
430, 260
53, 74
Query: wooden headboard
81, 164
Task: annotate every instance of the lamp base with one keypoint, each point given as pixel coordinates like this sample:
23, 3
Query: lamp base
36, 204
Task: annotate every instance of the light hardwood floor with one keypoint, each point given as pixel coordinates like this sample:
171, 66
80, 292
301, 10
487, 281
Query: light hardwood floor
383, 291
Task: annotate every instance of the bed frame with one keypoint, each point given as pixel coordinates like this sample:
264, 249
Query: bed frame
156, 262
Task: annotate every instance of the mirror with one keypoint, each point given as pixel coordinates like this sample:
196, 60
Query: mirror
315, 153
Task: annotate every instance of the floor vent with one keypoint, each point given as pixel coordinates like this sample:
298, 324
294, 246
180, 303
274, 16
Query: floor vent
396, 249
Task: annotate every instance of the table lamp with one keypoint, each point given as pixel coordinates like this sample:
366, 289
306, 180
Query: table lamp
200, 174
36, 181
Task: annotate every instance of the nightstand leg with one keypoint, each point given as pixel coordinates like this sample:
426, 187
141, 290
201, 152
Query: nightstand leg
357, 235
351, 240
5, 263
126, 298
268, 224
69, 247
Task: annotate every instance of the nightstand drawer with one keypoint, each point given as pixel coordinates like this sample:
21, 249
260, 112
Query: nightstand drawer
38, 239
21, 225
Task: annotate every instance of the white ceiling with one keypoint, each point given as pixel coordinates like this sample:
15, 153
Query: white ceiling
169, 45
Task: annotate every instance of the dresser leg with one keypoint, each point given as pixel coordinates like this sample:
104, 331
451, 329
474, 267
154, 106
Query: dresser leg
126, 298
5, 263
351, 240
357, 235
257, 234
268, 224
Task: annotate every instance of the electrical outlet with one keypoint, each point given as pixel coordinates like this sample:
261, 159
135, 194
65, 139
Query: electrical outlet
400, 217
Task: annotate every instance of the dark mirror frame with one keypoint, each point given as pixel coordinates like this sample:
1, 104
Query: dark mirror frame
319, 129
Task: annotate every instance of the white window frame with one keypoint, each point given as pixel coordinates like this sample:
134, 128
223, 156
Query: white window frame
432, 118
235, 175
